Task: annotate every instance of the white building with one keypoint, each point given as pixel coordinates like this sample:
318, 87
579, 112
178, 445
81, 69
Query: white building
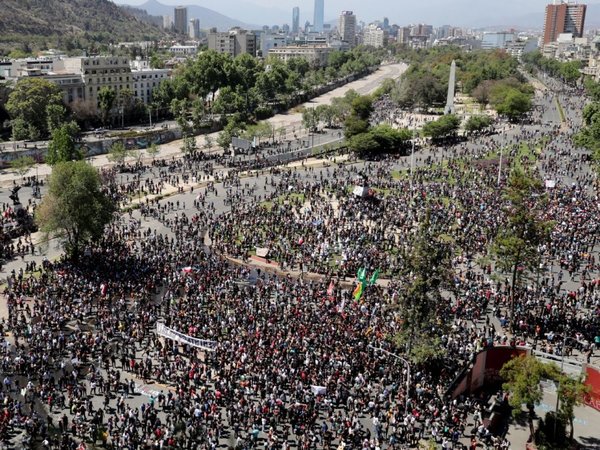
145, 79
195, 29
183, 50
375, 36
314, 54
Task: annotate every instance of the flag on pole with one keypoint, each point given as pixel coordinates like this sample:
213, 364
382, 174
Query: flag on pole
361, 275
358, 291
374, 278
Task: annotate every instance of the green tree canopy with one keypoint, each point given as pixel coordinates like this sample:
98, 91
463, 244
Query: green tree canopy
62, 146
106, 101
516, 244
75, 209
478, 123
29, 101
443, 127
513, 104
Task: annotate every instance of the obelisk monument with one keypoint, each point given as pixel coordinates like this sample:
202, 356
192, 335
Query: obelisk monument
451, 83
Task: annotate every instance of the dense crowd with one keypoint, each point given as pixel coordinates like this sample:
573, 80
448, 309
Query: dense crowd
296, 361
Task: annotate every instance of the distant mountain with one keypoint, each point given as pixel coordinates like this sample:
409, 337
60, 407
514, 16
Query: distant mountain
143, 16
208, 18
56, 22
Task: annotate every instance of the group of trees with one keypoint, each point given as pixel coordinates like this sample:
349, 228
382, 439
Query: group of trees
364, 139
444, 127
491, 77
217, 84
569, 71
523, 376
589, 136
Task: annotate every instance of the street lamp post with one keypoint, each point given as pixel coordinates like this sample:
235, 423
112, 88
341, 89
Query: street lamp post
393, 355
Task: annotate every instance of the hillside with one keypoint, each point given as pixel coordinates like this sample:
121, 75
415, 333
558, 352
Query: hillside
208, 17
55, 21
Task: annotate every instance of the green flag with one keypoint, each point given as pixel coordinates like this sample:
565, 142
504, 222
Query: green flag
374, 278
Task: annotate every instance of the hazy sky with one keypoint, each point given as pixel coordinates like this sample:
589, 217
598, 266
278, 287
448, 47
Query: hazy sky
435, 12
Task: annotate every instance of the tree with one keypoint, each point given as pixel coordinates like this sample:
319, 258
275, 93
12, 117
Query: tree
106, 101
427, 271
310, 119
62, 146
476, 124
514, 104
516, 244
233, 128
118, 153
56, 116
362, 143
189, 146
76, 209
522, 377
572, 392
208, 142
152, 151
22, 165
29, 101
443, 127
20, 130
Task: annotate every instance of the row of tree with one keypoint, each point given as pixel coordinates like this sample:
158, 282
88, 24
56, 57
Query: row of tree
217, 84
589, 136
567, 71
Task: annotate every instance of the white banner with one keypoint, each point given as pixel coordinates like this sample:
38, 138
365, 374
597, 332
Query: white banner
204, 344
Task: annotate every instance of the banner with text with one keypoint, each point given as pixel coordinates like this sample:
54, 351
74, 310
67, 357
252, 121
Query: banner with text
169, 333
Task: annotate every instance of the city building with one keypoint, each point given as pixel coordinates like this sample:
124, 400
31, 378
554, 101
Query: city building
403, 35
563, 17
146, 79
295, 20
167, 22
316, 55
319, 16
269, 41
497, 40
347, 27
375, 36
95, 73
233, 42
181, 20
183, 50
519, 47
195, 29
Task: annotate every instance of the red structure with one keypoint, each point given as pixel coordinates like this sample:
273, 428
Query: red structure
563, 18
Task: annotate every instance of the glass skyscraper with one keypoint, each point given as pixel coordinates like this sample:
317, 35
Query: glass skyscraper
319, 13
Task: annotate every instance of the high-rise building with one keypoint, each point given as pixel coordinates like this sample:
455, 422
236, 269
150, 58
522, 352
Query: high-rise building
347, 27
195, 28
181, 20
167, 22
233, 42
563, 17
319, 16
375, 36
295, 20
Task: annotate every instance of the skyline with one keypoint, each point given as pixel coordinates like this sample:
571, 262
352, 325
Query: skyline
466, 13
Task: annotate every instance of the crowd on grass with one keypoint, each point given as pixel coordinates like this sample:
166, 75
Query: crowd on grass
295, 362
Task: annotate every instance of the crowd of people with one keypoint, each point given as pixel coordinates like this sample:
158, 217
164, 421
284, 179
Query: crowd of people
296, 362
